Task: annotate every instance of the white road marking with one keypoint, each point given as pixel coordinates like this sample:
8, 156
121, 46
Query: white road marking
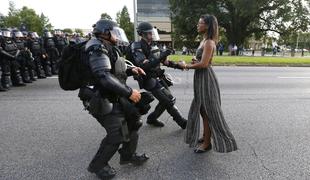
53, 77
293, 77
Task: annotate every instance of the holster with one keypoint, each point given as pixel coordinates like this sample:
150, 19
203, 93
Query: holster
99, 106
166, 81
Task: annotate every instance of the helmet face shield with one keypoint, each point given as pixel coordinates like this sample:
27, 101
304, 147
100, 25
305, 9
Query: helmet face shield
18, 34
34, 35
48, 35
155, 35
120, 36
6, 34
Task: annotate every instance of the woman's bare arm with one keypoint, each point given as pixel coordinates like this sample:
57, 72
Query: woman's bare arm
207, 54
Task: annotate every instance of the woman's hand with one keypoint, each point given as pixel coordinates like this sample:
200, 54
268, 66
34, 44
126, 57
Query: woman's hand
183, 65
194, 60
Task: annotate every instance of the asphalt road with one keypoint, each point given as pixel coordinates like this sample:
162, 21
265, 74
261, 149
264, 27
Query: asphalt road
46, 135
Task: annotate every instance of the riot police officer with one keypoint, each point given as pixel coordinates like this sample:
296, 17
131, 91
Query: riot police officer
1, 50
35, 46
147, 56
10, 67
110, 93
24, 58
60, 41
50, 65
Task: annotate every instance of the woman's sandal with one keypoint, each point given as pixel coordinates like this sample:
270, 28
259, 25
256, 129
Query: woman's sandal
201, 150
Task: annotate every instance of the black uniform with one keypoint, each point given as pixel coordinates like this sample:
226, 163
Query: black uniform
60, 43
35, 47
25, 61
50, 65
1, 61
155, 81
9, 65
107, 105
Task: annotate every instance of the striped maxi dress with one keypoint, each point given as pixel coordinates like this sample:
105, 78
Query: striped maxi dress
207, 98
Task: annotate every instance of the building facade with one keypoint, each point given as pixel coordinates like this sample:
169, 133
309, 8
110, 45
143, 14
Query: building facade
156, 12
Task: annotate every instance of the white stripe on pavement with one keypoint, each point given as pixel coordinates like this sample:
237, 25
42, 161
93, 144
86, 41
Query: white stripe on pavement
293, 77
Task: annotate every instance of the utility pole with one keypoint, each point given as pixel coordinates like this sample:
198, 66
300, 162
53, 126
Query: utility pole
135, 19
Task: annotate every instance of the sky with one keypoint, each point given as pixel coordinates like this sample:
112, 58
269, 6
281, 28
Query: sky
72, 14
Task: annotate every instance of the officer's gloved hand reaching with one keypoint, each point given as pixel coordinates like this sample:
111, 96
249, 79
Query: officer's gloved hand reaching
138, 71
164, 54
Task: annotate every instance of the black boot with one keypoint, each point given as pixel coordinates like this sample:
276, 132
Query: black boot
54, 68
32, 75
6, 81
107, 172
128, 151
26, 76
182, 123
17, 79
152, 119
1, 87
39, 70
134, 159
102, 157
177, 117
41, 73
155, 122
48, 70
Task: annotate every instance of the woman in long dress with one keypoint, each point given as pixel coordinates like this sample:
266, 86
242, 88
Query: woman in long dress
207, 100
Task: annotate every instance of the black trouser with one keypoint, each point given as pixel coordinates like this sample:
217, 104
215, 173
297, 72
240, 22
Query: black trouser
53, 57
15, 73
24, 62
30, 64
110, 144
38, 66
46, 66
1, 87
166, 102
6, 73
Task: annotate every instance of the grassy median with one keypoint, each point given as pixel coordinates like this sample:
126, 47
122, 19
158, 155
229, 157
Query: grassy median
249, 60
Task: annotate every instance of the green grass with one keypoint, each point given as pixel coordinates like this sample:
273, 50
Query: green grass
248, 60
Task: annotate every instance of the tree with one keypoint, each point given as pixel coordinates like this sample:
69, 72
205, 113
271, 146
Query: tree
25, 18
12, 20
68, 30
123, 20
45, 22
240, 18
106, 16
291, 40
80, 31
2, 20
30, 20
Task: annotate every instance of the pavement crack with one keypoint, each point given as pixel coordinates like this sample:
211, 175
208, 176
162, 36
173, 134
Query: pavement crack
261, 161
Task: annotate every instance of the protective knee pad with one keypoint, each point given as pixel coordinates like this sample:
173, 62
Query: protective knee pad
164, 96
